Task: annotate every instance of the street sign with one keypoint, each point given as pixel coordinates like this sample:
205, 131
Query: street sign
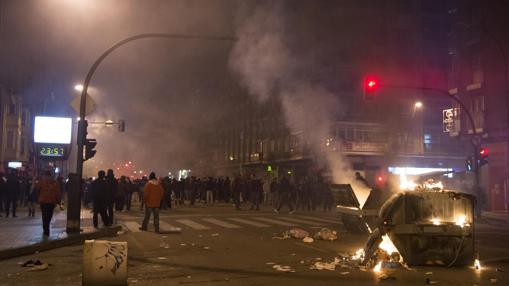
90, 108
450, 120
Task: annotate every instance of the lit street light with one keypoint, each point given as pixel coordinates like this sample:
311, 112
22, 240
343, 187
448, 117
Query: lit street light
418, 104
78, 87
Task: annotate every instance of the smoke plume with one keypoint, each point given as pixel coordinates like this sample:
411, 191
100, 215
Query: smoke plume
270, 64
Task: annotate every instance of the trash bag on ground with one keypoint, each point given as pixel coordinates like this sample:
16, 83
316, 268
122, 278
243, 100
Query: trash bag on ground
326, 234
298, 233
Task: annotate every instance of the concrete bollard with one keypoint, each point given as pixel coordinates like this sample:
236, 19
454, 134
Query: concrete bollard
104, 263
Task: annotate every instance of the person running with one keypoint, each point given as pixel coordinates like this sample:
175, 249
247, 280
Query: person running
49, 197
152, 194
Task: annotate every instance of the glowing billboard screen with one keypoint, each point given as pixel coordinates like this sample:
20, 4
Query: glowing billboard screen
57, 130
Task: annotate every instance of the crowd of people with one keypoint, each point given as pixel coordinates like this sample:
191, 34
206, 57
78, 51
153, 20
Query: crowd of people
107, 194
311, 193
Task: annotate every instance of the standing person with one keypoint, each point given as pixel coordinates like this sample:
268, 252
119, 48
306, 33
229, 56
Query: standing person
112, 191
120, 195
12, 194
237, 191
274, 191
129, 195
285, 195
33, 195
3, 191
100, 198
153, 194
227, 189
49, 197
256, 193
209, 186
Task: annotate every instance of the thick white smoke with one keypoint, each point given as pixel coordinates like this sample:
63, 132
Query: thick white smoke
268, 66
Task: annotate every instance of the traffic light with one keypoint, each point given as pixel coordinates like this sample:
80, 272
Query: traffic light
371, 85
469, 164
89, 148
483, 156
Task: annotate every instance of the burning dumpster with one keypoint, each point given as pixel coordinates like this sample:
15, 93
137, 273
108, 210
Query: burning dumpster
356, 216
426, 227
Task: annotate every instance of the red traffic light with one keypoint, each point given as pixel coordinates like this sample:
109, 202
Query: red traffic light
371, 83
483, 151
380, 179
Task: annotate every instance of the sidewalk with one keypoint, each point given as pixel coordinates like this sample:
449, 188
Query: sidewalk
23, 235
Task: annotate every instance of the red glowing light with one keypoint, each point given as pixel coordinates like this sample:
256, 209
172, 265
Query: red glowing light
380, 178
483, 151
371, 83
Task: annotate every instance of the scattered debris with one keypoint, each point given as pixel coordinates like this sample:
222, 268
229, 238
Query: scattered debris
386, 277
183, 244
323, 266
298, 233
283, 268
206, 247
215, 234
189, 276
162, 258
493, 280
429, 273
302, 262
120, 232
308, 239
499, 270
344, 273
31, 263
270, 263
41, 267
326, 234
430, 282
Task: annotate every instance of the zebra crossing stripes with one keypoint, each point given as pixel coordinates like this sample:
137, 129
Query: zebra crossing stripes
133, 226
338, 221
307, 222
220, 223
192, 224
164, 225
276, 222
248, 222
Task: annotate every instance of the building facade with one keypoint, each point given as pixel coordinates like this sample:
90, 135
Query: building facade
479, 77
16, 131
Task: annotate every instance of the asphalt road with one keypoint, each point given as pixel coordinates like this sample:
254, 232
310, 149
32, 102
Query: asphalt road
221, 246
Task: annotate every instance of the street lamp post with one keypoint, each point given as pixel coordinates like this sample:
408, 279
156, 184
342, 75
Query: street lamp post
73, 223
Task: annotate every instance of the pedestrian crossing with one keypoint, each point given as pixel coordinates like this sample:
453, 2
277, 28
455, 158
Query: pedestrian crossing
208, 223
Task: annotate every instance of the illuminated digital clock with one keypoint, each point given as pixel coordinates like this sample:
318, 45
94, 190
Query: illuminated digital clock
51, 151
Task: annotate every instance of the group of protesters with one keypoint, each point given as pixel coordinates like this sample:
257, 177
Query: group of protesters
310, 193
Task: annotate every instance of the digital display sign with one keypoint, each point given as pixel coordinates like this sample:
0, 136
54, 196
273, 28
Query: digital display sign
56, 130
49, 151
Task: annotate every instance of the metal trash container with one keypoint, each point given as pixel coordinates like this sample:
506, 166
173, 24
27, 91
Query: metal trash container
104, 263
354, 218
427, 227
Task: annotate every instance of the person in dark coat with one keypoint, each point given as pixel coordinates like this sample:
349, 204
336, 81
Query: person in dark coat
256, 193
237, 191
12, 194
100, 198
3, 191
112, 191
285, 195
120, 195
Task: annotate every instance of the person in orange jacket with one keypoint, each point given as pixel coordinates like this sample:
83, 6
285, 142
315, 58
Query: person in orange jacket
49, 196
152, 194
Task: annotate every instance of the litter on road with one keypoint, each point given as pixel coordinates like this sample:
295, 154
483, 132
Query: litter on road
283, 268
308, 239
326, 234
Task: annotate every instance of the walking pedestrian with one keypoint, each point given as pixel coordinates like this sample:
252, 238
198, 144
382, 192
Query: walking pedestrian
120, 195
256, 193
237, 191
12, 194
49, 197
153, 194
100, 198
